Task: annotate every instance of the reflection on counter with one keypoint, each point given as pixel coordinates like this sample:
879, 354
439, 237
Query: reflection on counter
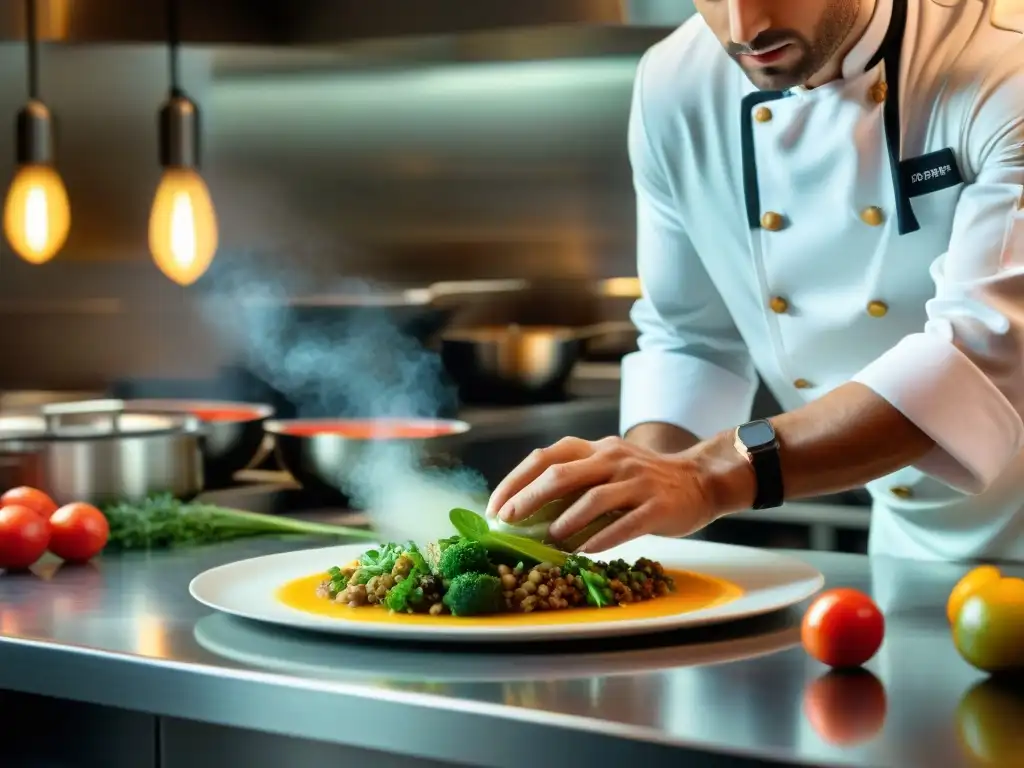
988, 723
846, 708
347, 659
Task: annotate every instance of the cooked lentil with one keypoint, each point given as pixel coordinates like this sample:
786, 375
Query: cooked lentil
542, 587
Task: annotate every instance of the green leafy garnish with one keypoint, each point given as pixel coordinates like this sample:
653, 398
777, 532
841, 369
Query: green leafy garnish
599, 594
377, 563
469, 524
338, 580
419, 564
473, 526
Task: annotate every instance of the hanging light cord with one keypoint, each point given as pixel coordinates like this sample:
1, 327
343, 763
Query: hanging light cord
32, 35
173, 41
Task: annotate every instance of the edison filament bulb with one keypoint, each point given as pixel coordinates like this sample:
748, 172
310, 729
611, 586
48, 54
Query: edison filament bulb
182, 226
37, 213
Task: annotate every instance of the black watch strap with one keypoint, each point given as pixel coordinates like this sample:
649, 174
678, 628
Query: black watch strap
768, 477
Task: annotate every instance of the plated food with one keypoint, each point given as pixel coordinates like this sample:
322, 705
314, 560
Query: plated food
481, 572
714, 583
486, 576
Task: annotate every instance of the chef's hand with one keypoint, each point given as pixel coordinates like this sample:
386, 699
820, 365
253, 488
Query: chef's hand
647, 492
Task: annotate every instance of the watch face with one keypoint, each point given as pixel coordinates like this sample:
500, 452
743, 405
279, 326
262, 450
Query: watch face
756, 434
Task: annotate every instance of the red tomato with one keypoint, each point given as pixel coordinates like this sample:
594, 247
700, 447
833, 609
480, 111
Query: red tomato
32, 498
80, 532
843, 628
24, 536
846, 707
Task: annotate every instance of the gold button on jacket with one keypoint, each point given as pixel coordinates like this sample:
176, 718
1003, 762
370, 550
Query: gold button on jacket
762, 114
901, 492
878, 92
802, 384
872, 216
878, 308
772, 221
778, 305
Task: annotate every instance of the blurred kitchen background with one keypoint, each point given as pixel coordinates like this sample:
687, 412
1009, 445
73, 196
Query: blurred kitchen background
401, 141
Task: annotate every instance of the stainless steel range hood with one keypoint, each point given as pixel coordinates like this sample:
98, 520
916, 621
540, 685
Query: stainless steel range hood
326, 22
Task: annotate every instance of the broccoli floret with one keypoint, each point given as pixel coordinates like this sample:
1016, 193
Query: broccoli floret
472, 594
432, 552
404, 595
464, 557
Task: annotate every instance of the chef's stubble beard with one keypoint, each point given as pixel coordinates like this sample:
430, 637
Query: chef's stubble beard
835, 25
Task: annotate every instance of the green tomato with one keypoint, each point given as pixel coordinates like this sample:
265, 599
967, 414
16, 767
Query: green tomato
989, 629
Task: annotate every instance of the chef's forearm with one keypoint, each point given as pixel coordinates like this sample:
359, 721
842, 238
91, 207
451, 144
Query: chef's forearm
661, 437
841, 441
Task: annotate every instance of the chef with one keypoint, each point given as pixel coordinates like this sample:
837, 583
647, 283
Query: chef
829, 194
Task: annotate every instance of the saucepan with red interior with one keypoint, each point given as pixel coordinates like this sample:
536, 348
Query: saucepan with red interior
322, 454
233, 434
98, 452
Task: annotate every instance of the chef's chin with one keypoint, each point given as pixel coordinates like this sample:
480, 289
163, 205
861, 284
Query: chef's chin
774, 78
794, 69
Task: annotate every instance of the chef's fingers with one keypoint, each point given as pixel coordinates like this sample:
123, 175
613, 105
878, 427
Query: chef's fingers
634, 523
614, 499
558, 481
529, 469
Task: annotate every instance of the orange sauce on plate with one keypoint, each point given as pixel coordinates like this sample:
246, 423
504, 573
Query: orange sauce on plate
693, 592
369, 430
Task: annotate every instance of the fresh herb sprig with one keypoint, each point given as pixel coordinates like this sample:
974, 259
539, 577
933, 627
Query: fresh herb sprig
599, 593
162, 521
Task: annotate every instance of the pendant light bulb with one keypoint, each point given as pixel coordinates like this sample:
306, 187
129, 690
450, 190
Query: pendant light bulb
182, 222
37, 213
182, 226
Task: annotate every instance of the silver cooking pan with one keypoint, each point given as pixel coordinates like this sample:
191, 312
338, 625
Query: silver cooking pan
517, 363
233, 436
420, 313
95, 451
322, 454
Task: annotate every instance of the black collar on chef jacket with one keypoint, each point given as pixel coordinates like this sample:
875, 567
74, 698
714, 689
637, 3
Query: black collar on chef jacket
890, 51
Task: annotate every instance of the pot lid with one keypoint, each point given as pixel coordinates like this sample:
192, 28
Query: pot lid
91, 419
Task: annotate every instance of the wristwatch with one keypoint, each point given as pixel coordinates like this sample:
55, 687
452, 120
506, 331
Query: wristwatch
757, 441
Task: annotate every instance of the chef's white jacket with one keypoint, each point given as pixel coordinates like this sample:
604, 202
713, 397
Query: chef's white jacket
867, 230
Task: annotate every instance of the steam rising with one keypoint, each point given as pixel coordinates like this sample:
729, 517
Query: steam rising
353, 362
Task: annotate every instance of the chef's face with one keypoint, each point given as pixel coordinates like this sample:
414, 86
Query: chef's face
781, 43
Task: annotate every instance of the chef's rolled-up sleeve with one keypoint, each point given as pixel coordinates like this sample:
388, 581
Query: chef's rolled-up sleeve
692, 369
961, 379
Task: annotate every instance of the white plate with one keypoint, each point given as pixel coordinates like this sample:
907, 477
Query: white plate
770, 582
325, 658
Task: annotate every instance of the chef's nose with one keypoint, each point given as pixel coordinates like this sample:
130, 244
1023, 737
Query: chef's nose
747, 19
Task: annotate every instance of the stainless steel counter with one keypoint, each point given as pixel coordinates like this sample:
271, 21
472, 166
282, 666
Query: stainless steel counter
124, 632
